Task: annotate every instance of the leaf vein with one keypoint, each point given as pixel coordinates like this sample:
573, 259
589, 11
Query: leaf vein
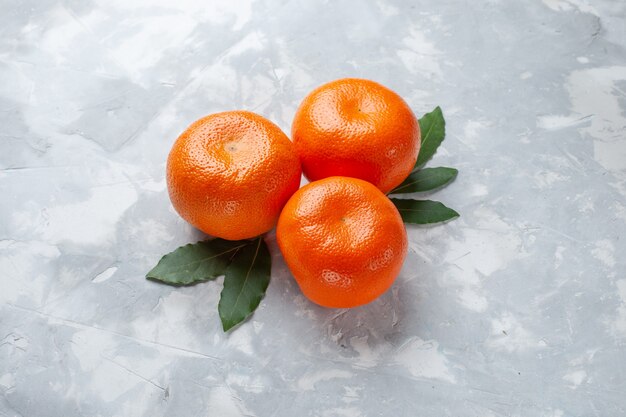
209, 257
256, 253
419, 211
417, 181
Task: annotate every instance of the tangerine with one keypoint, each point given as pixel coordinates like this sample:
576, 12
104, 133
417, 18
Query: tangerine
229, 174
356, 128
343, 240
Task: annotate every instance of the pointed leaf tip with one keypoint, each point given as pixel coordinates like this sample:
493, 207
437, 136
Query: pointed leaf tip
433, 131
195, 262
427, 179
423, 211
245, 283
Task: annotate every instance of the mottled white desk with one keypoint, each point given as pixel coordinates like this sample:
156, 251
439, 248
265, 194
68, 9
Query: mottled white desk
518, 308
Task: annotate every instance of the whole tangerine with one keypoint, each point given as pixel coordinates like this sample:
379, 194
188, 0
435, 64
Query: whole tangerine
229, 174
343, 240
356, 128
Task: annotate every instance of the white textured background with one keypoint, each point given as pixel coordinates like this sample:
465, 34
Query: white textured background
518, 308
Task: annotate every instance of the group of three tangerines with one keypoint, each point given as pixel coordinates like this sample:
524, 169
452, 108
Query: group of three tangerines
235, 175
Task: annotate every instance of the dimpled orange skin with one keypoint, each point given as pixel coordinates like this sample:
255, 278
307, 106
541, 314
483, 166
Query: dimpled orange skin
343, 240
230, 174
356, 128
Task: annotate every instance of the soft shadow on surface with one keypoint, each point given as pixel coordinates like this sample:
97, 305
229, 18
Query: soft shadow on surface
371, 329
364, 335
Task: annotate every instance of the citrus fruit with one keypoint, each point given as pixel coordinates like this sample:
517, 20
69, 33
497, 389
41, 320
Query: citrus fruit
356, 128
230, 174
343, 240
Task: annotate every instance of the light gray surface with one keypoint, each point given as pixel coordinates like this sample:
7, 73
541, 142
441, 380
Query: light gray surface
516, 309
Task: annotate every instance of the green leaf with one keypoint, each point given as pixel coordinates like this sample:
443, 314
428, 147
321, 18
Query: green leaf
246, 265
195, 262
433, 130
423, 211
426, 179
246, 280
